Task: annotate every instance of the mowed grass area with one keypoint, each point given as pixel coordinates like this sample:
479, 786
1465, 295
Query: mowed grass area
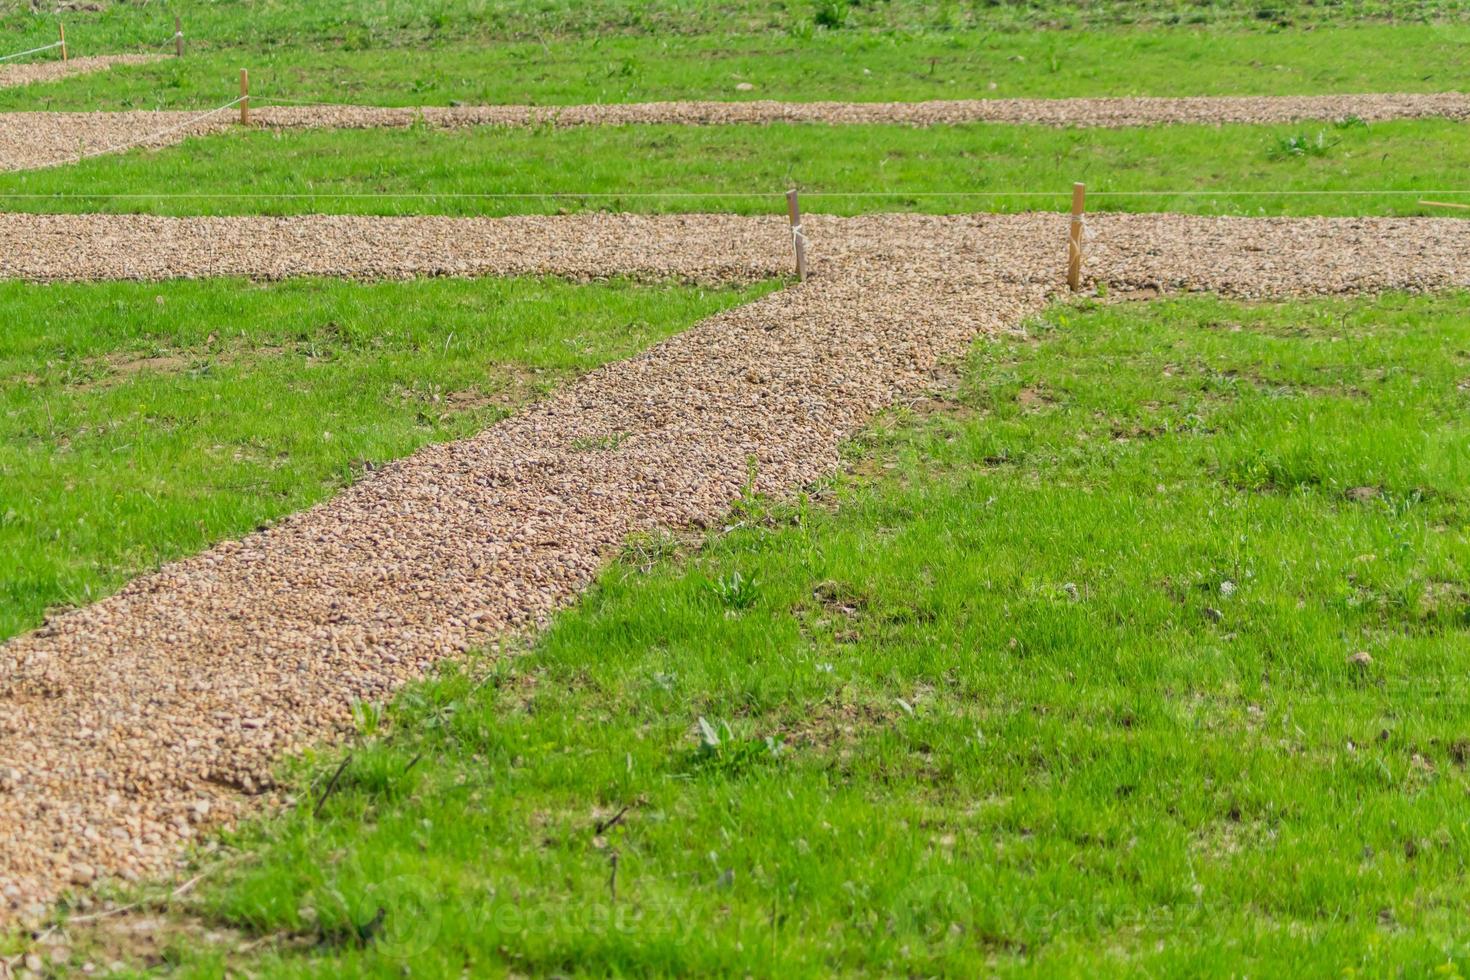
1348, 168
140, 422
390, 23
1059, 678
848, 64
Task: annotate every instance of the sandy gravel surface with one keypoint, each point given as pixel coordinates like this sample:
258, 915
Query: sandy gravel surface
1101, 112
1240, 256
54, 68
128, 725
32, 140
44, 139
588, 246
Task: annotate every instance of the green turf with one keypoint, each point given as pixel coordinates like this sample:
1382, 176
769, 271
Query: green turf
264, 24
1062, 684
141, 422
825, 65
1223, 170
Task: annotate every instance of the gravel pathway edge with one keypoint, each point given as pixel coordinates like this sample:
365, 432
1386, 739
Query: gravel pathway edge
55, 69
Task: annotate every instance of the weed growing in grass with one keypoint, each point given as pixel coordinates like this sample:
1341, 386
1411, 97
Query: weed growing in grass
723, 752
642, 552
1297, 145
368, 719
751, 507
736, 591
831, 14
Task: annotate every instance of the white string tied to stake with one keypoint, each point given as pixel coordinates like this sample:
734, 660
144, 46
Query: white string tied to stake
142, 140
22, 54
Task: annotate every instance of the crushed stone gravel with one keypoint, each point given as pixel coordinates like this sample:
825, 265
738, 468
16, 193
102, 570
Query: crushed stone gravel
1080, 112
43, 139
55, 69
128, 726
583, 247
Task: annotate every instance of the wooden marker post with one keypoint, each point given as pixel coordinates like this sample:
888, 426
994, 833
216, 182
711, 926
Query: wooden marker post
1074, 239
62, 28
798, 238
178, 37
244, 97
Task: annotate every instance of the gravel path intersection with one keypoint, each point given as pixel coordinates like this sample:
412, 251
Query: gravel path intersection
127, 726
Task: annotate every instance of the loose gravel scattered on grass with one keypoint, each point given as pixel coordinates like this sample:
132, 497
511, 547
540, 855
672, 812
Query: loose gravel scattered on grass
42, 139
127, 725
54, 69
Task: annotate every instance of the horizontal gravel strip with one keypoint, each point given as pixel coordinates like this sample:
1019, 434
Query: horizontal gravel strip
54, 69
126, 725
43, 139
702, 248
1245, 257
1100, 112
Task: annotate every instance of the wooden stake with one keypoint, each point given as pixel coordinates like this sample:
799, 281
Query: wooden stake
178, 37
1074, 239
244, 97
798, 238
62, 28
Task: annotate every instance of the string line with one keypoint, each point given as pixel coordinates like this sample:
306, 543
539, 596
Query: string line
116, 147
532, 195
22, 54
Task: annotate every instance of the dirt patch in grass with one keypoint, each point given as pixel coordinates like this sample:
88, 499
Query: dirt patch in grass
154, 940
1034, 398
130, 364
834, 726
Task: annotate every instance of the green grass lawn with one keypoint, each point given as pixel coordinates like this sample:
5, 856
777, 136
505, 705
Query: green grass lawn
854, 65
1059, 678
142, 422
264, 24
1221, 169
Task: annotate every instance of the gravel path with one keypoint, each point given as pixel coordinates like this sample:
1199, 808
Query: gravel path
42, 139
1100, 112
586, 246
54, 69
127, 725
